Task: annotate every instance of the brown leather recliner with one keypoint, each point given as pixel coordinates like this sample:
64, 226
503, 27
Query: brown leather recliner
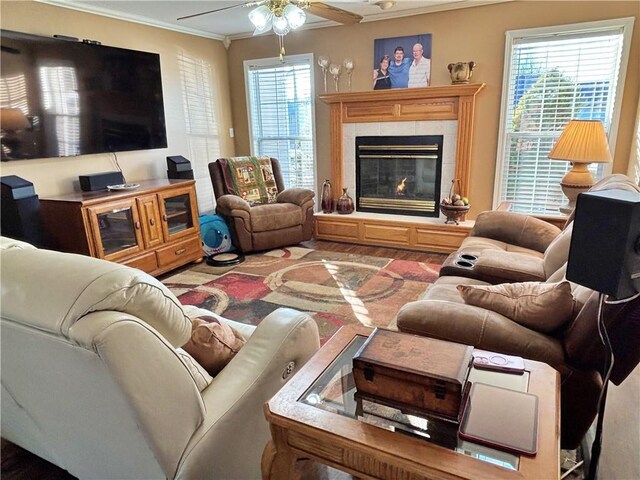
265, 226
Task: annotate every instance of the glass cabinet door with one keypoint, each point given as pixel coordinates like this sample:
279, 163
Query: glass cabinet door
179, 213
116, 229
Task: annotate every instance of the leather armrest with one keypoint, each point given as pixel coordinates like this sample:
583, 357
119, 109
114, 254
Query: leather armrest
516, 229
297, 196
481, 328
238, 393
226, 204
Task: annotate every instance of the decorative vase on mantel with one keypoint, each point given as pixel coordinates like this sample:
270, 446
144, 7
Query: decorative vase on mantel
461, 72
327, 197
345, 203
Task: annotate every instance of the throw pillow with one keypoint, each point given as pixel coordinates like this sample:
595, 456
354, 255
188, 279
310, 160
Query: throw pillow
250, 178
198, 373
539, 306
213, 343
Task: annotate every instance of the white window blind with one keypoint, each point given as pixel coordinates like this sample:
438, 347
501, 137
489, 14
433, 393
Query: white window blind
551, 79
280, 98
203, 142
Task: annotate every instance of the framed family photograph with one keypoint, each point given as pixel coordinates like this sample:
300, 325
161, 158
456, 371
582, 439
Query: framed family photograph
402, 62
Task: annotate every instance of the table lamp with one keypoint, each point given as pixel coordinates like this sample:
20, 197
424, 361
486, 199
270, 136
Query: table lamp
582, 142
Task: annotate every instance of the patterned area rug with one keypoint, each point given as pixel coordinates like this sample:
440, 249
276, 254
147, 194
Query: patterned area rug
335, 288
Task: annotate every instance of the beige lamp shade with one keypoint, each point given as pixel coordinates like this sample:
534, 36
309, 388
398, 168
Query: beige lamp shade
582, 141
12, 119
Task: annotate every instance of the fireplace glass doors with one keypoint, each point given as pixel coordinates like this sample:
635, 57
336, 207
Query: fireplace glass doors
399, 175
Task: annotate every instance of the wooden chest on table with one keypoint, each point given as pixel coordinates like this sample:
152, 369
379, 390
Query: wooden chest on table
413, 373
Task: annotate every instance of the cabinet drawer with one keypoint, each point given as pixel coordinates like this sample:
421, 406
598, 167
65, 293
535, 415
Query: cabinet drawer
337, 229
179, 252
146, 263
387, 234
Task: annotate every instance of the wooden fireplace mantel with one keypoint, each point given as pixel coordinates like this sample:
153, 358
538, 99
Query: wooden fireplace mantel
449, 102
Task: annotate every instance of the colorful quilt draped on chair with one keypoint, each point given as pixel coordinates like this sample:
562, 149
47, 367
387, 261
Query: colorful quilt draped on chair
250, 178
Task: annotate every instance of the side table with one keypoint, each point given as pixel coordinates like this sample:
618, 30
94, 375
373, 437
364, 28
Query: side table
314, 416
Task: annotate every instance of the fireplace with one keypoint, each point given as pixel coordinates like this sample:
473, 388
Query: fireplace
399, 174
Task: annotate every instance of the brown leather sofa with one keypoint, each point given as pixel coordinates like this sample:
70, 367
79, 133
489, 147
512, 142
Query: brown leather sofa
513, 248
262, 227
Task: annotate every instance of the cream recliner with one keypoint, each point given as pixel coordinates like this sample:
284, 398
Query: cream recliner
92, 383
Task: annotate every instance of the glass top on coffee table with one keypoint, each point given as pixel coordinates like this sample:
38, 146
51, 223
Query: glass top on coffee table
335, 390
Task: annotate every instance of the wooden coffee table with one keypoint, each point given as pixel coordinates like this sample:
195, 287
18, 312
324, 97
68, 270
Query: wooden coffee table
314, 416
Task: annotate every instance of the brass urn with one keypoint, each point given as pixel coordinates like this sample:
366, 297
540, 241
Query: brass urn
461, 72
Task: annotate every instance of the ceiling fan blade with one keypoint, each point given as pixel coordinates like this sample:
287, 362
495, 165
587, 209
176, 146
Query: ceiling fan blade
248, 4
333, 13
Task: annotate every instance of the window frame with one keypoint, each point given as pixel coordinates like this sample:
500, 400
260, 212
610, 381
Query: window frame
626, 24
276, 62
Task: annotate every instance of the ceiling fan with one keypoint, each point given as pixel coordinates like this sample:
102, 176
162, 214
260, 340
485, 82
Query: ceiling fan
277, 7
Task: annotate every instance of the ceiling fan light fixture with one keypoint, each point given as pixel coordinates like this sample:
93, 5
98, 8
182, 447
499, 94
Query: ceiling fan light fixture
260, 17
280, 25
266, 28
294, 15
385, 5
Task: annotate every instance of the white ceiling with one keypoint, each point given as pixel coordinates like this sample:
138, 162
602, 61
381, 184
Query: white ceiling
234, 23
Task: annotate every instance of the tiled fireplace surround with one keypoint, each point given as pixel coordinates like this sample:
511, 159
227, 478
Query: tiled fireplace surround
447, 111
446, 128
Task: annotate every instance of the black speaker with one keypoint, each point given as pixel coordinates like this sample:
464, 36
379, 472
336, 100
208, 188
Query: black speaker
20, 212
14, 188
178, 163
100, 181
605, 243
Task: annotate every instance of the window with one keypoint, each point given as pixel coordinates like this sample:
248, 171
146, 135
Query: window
553, 75
281, 117
203, 143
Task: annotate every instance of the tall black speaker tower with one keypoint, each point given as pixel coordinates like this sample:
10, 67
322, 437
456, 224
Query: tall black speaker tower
20, 210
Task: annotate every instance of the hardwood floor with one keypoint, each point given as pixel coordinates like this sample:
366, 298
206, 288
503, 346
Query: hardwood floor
395, 253
19, 464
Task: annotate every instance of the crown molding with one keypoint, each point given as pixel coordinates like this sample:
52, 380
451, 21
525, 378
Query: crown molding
131, 18
383, 15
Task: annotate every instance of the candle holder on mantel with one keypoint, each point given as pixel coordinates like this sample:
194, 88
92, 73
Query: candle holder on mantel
324, 61
348, 67
334, 70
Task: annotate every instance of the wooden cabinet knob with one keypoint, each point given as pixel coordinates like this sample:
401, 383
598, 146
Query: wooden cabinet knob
137, 225
152, 221
164, 217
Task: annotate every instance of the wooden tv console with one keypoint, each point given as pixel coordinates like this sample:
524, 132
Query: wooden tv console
153, 227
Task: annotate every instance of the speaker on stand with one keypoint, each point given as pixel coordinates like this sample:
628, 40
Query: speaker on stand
20, 210
179, 167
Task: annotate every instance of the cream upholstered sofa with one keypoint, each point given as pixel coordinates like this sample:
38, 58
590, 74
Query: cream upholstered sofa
91, 380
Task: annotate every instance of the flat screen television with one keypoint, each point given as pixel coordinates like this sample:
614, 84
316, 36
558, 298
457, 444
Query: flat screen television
63, 98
